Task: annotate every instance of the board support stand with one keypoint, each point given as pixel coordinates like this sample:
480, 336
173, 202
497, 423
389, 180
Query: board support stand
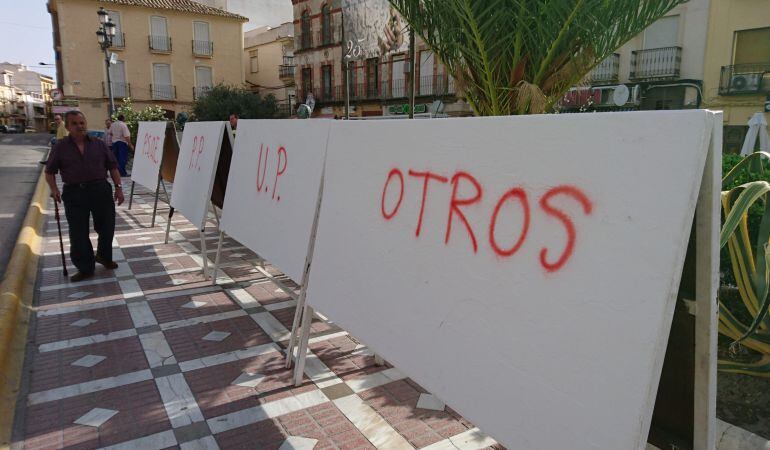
168, 223
216, 258
155, 206
707, 226
131, 195
203, 253
307, 319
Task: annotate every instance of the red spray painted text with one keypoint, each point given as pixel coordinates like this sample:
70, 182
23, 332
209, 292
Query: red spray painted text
262, 172
516, 195
150, 147
195, 155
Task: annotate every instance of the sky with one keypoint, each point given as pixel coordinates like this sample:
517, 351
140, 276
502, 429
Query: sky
26, 34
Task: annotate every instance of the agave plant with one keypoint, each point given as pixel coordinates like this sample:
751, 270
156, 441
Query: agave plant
522, 56
750, 266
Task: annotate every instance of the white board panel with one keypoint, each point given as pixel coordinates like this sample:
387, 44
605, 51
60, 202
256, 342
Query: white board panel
148, 153
195, 169
273, 189
531, 286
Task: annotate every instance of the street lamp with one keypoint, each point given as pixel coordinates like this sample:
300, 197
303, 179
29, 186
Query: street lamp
104, 36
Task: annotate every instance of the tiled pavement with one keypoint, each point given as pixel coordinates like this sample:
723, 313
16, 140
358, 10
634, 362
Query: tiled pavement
151, 355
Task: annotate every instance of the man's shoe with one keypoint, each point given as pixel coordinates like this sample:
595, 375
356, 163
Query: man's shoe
80, 276
107, 264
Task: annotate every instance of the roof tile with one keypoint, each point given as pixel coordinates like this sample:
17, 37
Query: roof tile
180, 5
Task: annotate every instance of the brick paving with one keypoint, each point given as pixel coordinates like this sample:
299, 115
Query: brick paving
151, 355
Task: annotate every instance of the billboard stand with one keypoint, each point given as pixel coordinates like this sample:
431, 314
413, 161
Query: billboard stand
168, 223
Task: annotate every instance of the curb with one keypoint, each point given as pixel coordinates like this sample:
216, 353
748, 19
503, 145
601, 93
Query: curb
16, 294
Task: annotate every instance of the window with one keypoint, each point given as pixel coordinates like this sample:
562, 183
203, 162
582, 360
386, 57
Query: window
372, 77
326, 82
307, 83
305, 37
159, 39
398, 77
162, 88
118, 40
426, 73
752, 46
203, 80
663, 33
202, 44
254, 61
326, 25
118, 79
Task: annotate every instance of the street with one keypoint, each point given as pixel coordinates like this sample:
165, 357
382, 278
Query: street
19, 170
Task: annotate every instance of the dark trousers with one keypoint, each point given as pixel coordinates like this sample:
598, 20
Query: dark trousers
80, 203
120, 149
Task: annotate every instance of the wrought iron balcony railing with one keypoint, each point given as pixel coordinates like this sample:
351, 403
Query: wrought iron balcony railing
285, 72
607, 70
656, 63
163, 91
119, 40
203, 48
119, 90
159, 43
745, 79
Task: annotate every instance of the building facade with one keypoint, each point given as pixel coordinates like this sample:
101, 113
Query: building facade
260, 13
269, 64
165, 53
737, 73
661, 68
378, 85
24, 97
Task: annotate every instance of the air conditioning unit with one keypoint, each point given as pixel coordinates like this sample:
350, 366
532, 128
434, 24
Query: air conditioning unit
745, 82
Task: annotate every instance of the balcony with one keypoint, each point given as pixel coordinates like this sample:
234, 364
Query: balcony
119, 90
163, 91
286, 72
159, 44
304, 41
656, 63
745, 79
119, 41
200, 91
428, 86
203, 48
606, 71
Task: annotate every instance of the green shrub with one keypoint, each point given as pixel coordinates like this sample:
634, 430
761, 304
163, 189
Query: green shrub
755, 212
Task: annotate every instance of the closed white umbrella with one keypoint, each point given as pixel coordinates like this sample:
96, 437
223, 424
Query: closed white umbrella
757, 128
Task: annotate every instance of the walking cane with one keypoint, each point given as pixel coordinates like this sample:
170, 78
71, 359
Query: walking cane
61, 241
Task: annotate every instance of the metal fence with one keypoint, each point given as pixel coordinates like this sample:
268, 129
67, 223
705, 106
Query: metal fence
656, 63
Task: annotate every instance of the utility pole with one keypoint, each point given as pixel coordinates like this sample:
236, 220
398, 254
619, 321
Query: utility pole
412, 73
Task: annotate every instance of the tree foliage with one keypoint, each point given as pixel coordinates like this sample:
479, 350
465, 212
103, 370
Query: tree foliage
522, 56
132, 118
223, 100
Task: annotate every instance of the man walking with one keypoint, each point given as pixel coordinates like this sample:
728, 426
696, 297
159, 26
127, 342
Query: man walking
61, 130
84, 162
121, 141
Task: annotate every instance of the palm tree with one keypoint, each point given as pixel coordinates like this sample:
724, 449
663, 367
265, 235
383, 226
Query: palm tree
522, 56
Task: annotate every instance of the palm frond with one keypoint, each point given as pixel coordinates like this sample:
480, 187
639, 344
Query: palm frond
492, 46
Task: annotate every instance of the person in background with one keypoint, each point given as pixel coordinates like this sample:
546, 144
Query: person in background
108, 133
233, 122
61, 130
84, 162
121, 142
